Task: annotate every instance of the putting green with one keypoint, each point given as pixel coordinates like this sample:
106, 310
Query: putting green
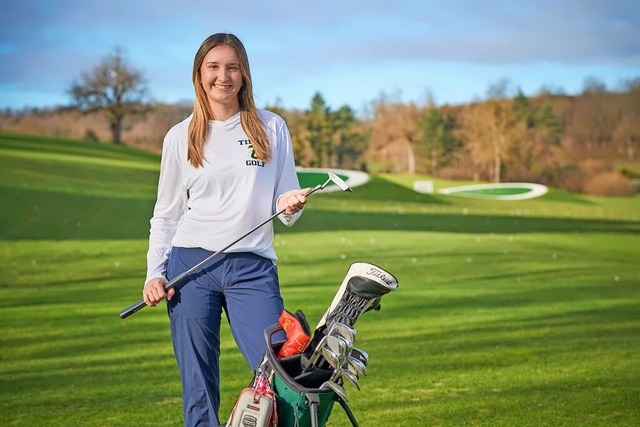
499, 191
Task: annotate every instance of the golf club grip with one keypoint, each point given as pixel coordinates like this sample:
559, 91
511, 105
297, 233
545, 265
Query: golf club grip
136, 307
133, 308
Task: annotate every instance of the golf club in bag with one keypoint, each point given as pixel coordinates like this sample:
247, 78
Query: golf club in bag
305, 386
362, 289
134, 308
304, 399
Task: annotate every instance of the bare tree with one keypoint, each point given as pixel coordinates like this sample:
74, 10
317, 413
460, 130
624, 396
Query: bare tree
593, 84
490, 129
473, 131
113, 87
395, 130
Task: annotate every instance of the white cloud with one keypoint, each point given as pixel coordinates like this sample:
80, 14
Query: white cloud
346, 49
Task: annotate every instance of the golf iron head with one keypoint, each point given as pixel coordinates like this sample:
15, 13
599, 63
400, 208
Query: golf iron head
337, 389
351, 378
344, 331
359, 354
337, 345
356, 366
331, 357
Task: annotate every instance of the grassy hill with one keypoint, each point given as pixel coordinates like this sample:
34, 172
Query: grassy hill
508, 313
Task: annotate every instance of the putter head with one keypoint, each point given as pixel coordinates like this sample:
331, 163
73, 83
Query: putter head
339, 182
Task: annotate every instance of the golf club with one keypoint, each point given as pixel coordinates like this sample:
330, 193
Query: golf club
337, 389
351, 378
357, 366
337, 346
317, 352
346, 331
134, 308
349, 367
361, 355
337, 373
348, 344
332, 358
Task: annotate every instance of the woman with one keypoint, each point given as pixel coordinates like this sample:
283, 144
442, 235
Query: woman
224, 170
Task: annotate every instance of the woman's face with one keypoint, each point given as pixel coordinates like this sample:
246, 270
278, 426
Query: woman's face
221, 77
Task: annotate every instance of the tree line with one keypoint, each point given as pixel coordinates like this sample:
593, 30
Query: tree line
582, 143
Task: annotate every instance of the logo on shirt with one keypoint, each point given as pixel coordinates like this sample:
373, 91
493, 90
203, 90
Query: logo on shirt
254, 158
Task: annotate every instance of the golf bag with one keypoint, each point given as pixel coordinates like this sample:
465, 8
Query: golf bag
296, 382
291, 398
300, 400
362, 289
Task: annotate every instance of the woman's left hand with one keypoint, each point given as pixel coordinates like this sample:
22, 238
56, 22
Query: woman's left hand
293, 201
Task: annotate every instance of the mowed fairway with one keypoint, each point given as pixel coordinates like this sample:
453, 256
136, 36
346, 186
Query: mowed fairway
508, 313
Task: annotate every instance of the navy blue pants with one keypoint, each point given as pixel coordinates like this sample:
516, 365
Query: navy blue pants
246, 287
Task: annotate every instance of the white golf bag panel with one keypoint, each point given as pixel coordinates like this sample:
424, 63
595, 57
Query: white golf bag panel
252, 410
362, 289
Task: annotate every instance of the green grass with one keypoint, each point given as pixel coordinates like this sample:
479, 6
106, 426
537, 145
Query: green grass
508, 313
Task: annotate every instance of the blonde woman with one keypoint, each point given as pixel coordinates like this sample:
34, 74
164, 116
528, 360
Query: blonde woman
224, 170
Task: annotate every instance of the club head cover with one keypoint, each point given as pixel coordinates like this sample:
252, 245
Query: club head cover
303, 322
298, 334
362, 290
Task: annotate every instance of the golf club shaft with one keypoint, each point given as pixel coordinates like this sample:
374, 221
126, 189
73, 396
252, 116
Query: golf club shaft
134, 308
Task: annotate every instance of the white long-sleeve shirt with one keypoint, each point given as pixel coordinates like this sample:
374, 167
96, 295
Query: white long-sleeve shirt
211, 206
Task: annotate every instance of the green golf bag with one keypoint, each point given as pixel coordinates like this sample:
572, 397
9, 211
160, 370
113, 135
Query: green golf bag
300, 401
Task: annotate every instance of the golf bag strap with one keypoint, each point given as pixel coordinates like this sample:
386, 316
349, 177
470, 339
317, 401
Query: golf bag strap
347, 411
313, 400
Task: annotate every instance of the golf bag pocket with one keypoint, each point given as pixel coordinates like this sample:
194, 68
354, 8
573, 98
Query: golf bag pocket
294, 404
253, 409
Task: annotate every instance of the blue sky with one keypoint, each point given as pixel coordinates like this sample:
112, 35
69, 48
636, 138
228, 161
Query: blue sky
349, 51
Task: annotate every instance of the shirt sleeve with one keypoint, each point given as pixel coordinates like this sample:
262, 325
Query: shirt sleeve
169, 208
286, 179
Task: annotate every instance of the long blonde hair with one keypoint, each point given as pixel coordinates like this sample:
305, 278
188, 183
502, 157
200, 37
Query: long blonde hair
251, 124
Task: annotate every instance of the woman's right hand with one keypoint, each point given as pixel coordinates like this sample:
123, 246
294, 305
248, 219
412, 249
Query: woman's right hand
154, 292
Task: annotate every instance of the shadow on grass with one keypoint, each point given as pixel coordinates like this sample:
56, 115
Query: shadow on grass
482, 344
515, 300
451, 223
33, 214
